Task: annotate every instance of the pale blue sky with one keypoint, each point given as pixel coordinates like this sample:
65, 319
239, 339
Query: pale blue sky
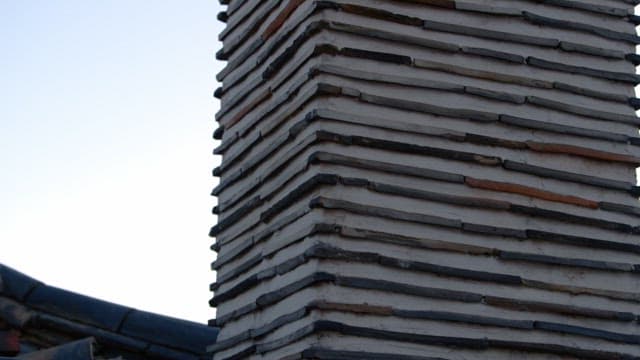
106, 117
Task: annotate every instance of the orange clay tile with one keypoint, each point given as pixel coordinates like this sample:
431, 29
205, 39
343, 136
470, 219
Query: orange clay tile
580, 151
265, 96
530, 191
281, 18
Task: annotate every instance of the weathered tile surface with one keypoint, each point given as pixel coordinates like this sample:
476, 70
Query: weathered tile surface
427, 179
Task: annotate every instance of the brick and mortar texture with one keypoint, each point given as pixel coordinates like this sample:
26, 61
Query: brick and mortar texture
428, 179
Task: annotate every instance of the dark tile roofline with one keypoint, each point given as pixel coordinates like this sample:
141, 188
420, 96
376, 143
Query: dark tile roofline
97, 315
9, 342
15, 284
77, 350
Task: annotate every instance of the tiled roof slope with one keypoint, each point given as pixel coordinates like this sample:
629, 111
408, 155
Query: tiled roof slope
83, 349
40, 317
428, 179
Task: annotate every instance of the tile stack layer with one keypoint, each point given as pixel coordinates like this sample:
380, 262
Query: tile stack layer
427, 179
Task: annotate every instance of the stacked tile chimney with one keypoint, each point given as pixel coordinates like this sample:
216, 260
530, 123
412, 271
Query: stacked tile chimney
428, 179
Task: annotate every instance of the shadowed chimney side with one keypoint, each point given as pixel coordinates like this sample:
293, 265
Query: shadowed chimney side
427, 179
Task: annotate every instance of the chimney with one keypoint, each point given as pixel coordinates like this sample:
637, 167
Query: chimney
427, 179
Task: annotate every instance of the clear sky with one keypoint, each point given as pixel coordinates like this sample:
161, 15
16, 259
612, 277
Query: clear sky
106, 116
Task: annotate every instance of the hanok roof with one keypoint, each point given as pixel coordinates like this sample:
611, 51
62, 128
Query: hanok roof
42, 322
